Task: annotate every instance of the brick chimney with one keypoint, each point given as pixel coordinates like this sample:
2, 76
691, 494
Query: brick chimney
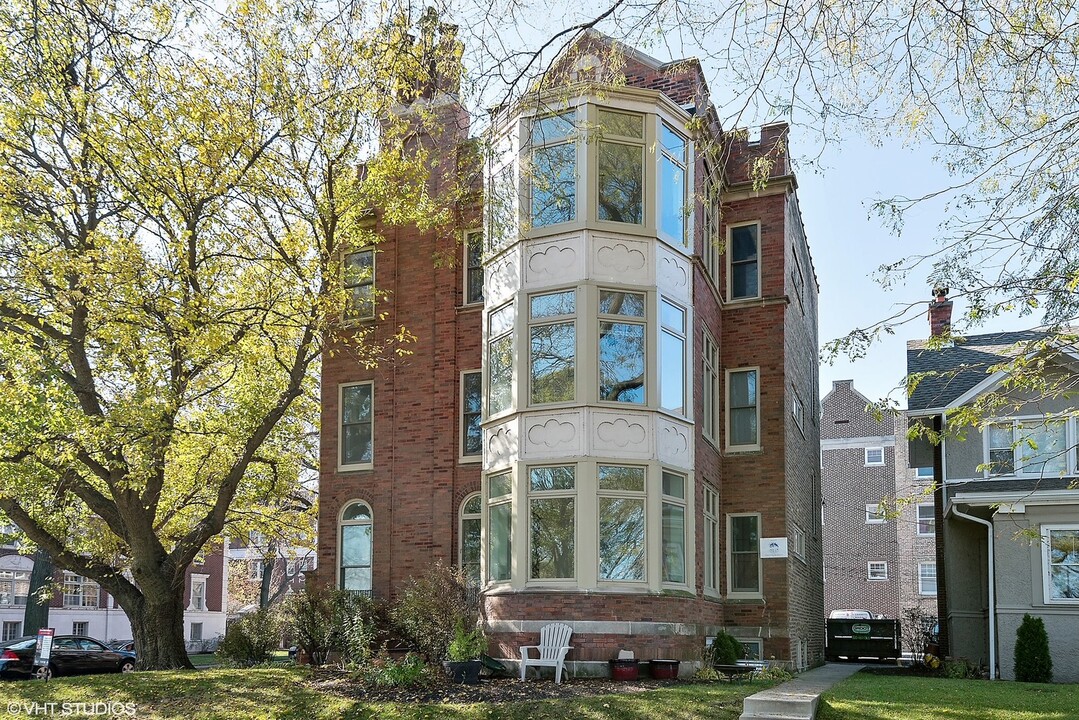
940, 312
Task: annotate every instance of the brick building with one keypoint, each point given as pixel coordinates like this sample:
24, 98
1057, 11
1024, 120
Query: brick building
879, 555
80, 607
603, 417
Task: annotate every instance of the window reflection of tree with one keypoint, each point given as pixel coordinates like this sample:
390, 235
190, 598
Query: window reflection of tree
552, 531
621, 362
621, 183
553, 354
621, 539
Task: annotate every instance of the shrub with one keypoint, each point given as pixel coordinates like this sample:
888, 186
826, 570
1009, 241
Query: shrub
385, 672
431, 606
466, 645
961, 669
725, 650
323, 620
773, 672
1032, 660
251, 640
310, 618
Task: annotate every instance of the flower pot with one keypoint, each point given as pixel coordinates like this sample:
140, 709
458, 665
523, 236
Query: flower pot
623, 669
467, 671
664, 669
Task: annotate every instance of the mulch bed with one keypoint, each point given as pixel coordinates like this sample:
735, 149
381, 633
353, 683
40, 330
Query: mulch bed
490, 690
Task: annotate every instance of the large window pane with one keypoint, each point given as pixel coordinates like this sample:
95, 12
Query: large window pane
621, 362
472, 443
621, 182
742, 394
1043, 448
552, 304
1064, 564
674, 543
1001, 454
672, 365
672, 194
552, 355
745, 554
551, 478
551, 535
621, 539
470, 549
499, 550
500, 368
552, 128
356, 420
499, 485
356, 557
614, 302
614, 477
744, 261
554, 184
616, 123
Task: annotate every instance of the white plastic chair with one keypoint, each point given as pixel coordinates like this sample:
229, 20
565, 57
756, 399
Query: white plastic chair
552, 649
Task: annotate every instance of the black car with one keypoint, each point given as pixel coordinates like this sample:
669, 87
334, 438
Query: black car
71, 655
128, 645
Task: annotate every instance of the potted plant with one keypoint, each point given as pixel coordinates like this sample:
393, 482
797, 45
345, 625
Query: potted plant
464, 655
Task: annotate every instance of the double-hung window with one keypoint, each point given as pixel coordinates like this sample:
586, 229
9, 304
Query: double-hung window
552, 522
621, 501
1061, 543
473, 267
927, 522
672, 183
674, 528
744, 264
79, 592
198, 593
14, 587
711, 540
874, 515
471, 413
357, 424
554, 170
620, 173
710, 391
877, 570
743, 419
874, 456
552, 347
355, 543
1028, 447
927, 578
499, 526
744, 555
500, 360
672, 357
359, 282
622, 346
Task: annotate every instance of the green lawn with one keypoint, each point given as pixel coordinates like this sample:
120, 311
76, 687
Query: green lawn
281, 693
888, 697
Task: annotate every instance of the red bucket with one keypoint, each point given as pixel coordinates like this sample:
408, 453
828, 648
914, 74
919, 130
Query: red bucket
623, 669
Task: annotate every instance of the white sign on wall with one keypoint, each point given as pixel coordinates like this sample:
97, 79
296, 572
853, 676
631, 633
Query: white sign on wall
774, 547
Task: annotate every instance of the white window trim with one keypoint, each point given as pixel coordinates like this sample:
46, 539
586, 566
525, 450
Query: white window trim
918, 519
753, 641
1071, 439
727, 409
650, 356
510, 499
868, 463
741, 595
798, 543
85, 581
488, 339
1047, 589
204, 579
74, 628
686, 336
641, 495
552, 495
871, 510
581, 169
687, 529
922, 592
341, 427
571, 318
345, 319
461, 457
467, 235
729, 252
923, 476
688, 199
338, 576
869, 570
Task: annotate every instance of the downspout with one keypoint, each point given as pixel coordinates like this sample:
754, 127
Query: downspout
992, 590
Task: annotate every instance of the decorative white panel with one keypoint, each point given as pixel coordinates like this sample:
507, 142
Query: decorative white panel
552, 435
620, 260
501, 445
675, 442
554, 262
503, 278
673, 274
617, 434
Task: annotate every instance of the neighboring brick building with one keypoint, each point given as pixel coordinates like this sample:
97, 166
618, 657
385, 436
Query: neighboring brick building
874, 559
604, 413
80, 607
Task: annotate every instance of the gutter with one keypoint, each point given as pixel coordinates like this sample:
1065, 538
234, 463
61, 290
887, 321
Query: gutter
992, 589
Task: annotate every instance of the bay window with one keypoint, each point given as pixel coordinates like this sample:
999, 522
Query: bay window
622, 346
499, 526
672, 358
672, 183
500, 360
674, 528
551, 522
621, 496
552, 349
554, 169
620, 173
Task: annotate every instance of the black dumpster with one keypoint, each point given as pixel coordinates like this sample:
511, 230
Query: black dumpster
868, 639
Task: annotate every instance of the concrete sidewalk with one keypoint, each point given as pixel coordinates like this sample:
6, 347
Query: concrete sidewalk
797, 699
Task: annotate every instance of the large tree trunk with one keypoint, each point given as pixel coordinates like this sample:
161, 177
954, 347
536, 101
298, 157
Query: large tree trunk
158, 627
36, 614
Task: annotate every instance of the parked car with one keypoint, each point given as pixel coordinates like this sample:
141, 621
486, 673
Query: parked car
71, 655
125, 645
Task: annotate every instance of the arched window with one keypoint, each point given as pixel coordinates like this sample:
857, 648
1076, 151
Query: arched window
355, 547
471, 515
